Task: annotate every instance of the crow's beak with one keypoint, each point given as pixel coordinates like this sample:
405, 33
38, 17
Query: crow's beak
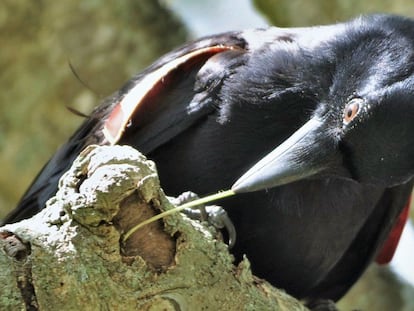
308, 151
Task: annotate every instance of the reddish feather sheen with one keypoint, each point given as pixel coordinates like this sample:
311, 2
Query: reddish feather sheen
115, 121
388, 248
119, 117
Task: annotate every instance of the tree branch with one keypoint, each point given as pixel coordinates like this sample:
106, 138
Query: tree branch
70, 257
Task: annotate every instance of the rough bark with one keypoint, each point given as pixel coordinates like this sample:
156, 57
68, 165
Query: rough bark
70, 256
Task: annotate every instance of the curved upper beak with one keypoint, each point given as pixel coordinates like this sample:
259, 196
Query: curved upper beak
306, 152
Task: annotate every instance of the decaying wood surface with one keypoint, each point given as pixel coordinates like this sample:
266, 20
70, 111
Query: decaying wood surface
70, 257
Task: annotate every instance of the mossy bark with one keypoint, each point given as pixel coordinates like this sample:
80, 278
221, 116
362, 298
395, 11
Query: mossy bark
70, 256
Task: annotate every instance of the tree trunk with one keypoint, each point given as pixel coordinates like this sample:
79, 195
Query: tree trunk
70, 257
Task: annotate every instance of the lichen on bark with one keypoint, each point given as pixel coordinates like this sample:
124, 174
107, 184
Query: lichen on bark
71, 257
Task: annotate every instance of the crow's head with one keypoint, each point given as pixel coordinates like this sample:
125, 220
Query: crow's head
363, 123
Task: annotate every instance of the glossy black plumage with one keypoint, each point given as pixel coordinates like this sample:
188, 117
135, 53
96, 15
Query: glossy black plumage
216, 115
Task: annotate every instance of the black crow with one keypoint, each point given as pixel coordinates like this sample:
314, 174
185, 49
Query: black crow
320, 118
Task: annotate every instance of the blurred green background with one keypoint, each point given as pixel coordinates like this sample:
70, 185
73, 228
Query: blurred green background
107, 42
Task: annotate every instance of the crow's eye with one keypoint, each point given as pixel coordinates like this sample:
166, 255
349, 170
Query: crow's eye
351, 110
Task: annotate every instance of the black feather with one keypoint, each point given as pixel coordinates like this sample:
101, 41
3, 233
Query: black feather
317, 227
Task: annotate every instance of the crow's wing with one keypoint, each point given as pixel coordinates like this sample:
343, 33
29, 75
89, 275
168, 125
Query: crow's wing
151, 108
